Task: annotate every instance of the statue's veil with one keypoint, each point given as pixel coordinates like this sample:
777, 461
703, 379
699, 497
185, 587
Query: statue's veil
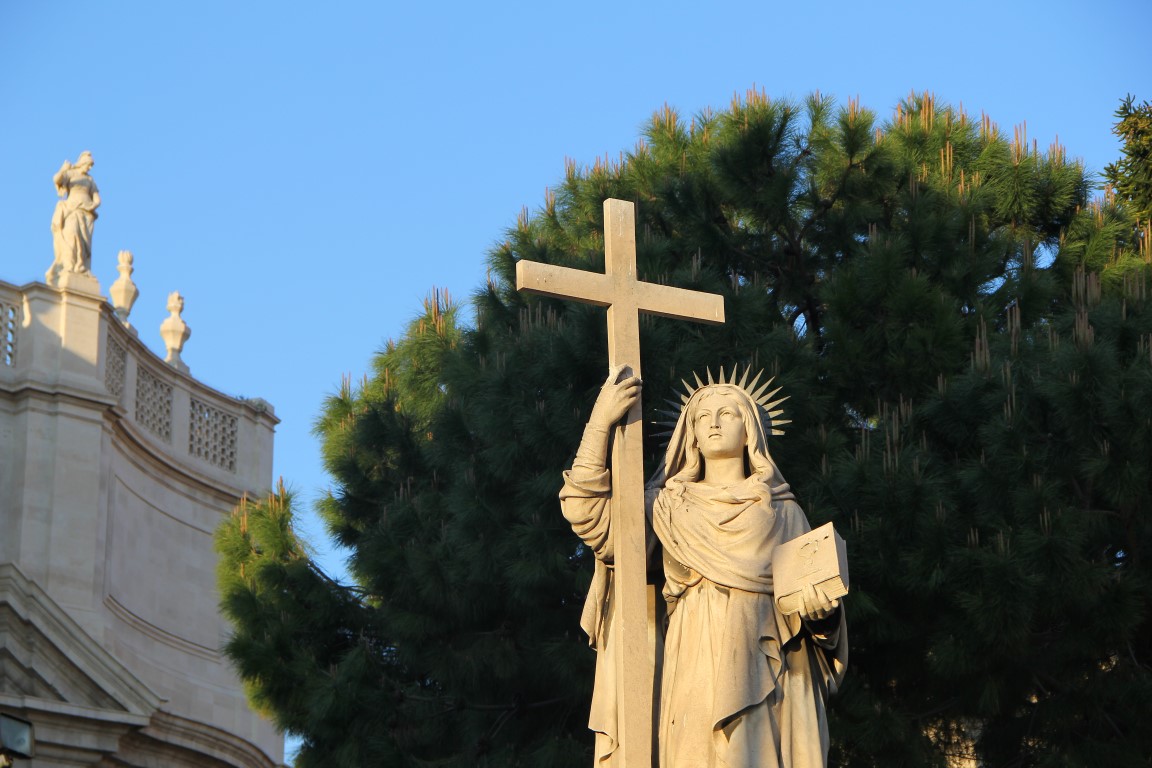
683, 462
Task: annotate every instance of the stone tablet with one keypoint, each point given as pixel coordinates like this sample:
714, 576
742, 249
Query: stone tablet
819, 558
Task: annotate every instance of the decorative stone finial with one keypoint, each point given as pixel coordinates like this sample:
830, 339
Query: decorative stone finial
124, 292
175, 332
73, 219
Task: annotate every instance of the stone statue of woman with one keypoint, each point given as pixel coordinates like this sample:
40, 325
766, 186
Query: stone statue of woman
742, 684
74, 218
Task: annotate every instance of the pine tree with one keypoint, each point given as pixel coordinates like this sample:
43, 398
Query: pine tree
1131, 176
967, 341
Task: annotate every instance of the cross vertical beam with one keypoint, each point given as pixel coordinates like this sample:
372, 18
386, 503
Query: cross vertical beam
621, 291
635, 672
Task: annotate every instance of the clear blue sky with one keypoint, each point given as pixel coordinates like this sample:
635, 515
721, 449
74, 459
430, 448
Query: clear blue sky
305, 173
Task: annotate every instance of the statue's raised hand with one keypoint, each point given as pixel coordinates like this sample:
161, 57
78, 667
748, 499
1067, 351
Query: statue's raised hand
620, 391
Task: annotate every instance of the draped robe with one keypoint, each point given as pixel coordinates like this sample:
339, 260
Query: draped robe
742, 685
73, 221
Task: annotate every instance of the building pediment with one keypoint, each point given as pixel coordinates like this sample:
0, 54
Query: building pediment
47, 656
80, 698
86, 706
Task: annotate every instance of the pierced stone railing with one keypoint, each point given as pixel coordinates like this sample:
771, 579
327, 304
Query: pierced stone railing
212, 432
212, 435
10, 301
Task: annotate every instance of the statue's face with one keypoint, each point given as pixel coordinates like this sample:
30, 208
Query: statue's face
719, 426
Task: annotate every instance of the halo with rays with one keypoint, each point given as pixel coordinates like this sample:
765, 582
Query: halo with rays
761, 394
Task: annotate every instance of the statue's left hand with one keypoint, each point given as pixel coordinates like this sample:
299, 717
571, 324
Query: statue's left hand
817, 605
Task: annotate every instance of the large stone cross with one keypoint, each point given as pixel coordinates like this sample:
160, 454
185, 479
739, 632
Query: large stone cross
626, 296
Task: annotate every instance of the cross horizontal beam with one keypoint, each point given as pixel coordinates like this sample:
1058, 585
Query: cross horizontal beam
601, 290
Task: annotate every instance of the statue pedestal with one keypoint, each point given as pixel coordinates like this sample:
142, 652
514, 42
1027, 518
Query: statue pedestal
80, 283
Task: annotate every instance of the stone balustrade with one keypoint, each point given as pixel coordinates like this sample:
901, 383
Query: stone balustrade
161, 409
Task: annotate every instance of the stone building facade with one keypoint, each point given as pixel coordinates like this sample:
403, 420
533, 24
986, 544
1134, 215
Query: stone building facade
115, 470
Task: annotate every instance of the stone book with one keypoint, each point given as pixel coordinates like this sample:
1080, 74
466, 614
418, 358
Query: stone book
819, 558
